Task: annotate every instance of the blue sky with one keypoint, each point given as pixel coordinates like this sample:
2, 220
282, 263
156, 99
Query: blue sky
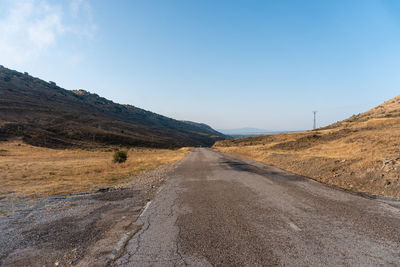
230, 64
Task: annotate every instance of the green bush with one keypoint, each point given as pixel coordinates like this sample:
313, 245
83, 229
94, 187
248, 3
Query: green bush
120, 156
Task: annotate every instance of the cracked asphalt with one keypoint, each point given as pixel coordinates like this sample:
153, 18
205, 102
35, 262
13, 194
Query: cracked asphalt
87, 229
217, 209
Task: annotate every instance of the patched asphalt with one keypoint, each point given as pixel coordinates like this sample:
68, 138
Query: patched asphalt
217, 209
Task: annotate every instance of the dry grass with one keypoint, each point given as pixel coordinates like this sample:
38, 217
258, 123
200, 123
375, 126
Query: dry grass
30, 170
362, 155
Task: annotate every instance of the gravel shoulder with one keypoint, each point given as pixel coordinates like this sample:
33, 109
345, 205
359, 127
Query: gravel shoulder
75, 229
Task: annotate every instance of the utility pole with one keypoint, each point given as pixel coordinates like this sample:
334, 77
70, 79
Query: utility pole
315, 119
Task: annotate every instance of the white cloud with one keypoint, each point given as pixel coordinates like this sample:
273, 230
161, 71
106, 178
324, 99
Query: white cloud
43, 32
29, 27
81, 13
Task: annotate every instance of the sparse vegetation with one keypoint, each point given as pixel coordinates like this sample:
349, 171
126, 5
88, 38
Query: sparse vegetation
43, 110
361, 153
120, 156
29, 170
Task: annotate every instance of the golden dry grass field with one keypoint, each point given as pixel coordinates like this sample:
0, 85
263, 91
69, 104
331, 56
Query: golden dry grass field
361, 153
29, 170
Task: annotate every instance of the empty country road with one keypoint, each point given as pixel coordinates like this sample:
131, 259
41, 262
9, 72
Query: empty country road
218, 209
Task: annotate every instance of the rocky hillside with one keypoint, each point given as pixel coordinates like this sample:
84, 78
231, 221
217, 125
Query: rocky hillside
44, 114
387, 110
361, 153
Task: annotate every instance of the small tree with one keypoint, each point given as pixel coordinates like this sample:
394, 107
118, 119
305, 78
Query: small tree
120, 156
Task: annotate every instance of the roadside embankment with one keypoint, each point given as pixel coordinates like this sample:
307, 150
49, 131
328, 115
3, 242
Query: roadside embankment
361, 153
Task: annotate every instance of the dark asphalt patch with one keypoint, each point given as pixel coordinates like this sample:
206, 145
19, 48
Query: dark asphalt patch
273, 175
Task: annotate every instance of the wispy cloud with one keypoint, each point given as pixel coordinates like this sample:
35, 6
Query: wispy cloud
81, 18
29, 27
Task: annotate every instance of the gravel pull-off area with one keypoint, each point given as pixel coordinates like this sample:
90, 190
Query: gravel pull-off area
81, 229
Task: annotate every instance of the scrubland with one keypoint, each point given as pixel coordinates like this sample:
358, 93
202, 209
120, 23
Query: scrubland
361, 153
37, 171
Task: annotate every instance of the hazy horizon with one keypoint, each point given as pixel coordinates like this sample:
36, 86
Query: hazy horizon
229, 64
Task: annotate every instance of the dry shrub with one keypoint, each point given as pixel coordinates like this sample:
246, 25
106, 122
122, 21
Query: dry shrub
120, 156
29, 170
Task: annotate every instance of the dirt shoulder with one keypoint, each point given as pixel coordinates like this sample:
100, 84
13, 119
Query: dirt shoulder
362, 156
75, 229
38, 171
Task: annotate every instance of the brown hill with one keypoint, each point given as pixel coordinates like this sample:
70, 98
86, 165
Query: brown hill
44, 114
389, 109
361, 153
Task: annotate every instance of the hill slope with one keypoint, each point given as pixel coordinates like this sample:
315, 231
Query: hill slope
46, 115
387, 110
361, 153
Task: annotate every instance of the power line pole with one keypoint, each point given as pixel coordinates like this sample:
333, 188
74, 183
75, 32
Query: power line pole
315, 119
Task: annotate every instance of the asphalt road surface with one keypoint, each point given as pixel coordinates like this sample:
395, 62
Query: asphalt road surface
217, 209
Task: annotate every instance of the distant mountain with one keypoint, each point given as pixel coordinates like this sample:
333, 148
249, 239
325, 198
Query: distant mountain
44, 114
248, 131
242, 131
